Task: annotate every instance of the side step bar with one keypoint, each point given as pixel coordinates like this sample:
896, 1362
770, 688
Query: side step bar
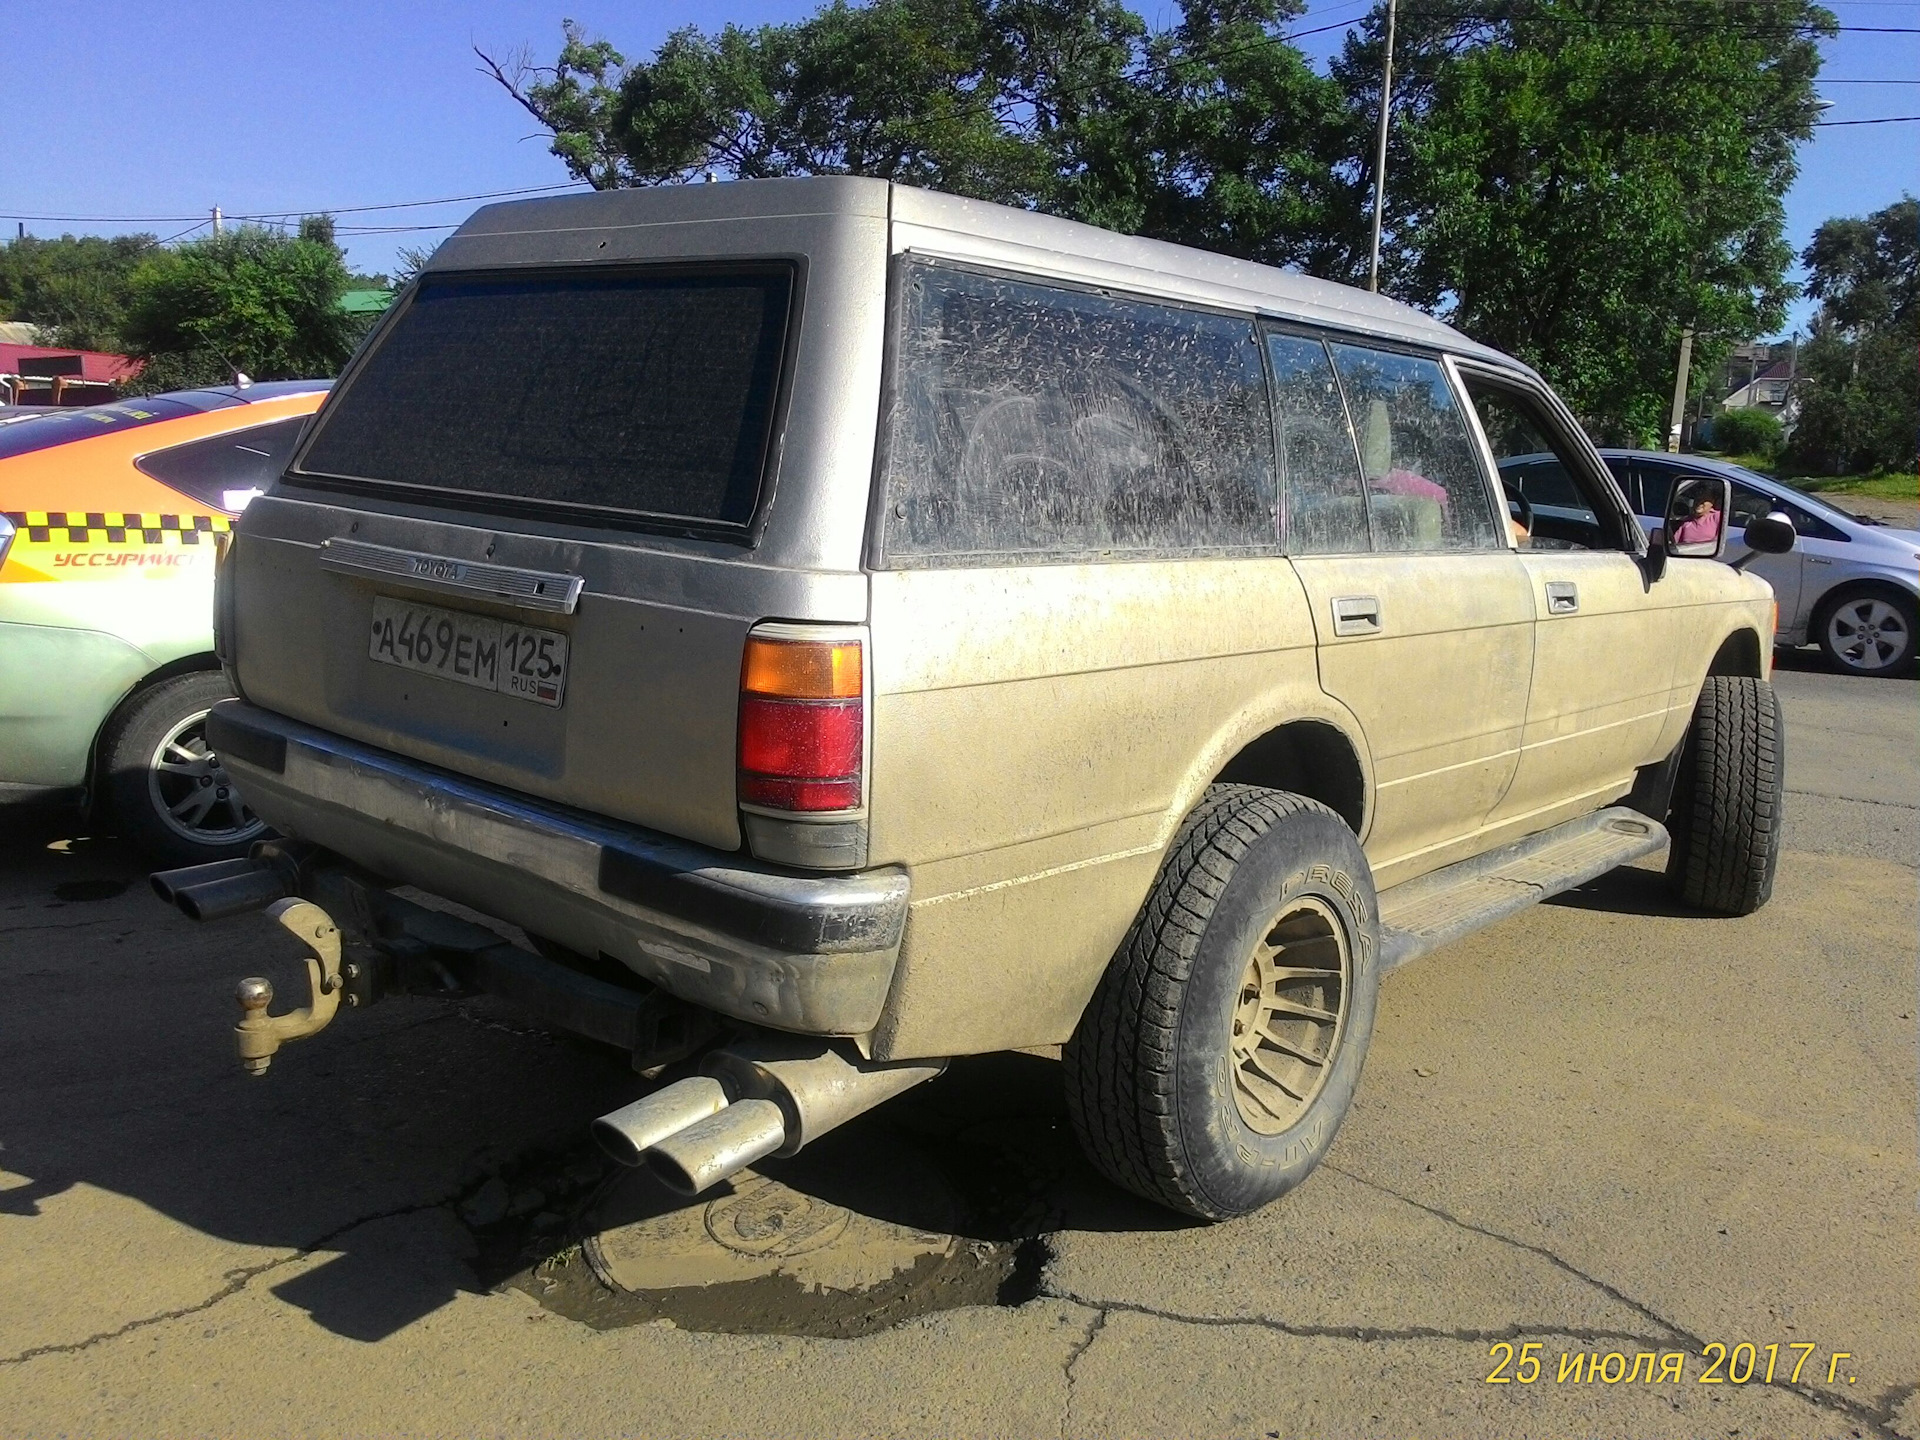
1435, 910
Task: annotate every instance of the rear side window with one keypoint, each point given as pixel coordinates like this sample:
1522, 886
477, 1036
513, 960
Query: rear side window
650, 394
226, 471
1326, 502
1034, 421
1424, 486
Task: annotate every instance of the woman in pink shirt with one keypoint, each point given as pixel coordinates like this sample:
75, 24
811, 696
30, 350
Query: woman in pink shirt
1702, 525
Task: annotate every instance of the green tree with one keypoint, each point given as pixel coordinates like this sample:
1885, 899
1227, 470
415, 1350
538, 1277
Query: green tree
1859, 409
1213, 132
1575, 181
74, 288
250, 300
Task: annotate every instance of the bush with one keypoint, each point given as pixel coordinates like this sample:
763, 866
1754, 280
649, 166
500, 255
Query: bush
1747, 432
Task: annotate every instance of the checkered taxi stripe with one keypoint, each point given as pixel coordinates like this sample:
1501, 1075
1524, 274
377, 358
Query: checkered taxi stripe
41, 527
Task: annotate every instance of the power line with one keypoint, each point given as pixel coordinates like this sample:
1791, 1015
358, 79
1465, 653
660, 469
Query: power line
282, 214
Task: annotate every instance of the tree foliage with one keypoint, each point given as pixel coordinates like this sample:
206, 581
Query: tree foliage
73, 288
1213, 132
1859, 409
250, 300
1575, 181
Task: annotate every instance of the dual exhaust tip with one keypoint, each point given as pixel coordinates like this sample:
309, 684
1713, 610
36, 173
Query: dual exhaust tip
753, 1100
224, 887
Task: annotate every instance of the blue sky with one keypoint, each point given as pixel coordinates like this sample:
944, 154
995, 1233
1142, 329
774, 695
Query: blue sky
166, 111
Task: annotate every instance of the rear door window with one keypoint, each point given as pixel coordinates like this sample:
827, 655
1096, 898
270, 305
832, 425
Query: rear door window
647, 395
226, 471
1425, 489
1036, 421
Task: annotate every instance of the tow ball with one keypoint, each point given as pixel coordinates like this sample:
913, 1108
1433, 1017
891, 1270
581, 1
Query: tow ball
257, 1035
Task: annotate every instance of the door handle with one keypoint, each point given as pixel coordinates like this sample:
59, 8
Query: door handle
1563, 597
1356, 615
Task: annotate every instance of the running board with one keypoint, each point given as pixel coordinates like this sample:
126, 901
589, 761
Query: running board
1434, 910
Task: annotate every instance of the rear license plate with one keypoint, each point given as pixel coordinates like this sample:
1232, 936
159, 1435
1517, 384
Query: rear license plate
488, 654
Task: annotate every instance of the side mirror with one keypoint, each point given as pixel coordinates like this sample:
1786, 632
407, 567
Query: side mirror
1767, 535
1696, 521
1771, 534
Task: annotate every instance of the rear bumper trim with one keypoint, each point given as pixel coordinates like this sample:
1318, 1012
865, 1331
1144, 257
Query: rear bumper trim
808, 953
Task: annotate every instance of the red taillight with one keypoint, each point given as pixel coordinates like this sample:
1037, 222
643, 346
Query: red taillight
801, 724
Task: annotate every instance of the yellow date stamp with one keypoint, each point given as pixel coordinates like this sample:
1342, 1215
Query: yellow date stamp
1744, 1363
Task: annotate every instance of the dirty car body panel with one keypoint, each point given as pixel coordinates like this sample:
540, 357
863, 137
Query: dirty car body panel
1033, 474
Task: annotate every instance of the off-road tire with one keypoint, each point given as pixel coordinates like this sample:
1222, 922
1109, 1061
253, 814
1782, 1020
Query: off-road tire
1728, 798
1149, 1074
127, 752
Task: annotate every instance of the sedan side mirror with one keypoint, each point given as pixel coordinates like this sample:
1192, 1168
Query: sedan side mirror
1767, 535
1696, 524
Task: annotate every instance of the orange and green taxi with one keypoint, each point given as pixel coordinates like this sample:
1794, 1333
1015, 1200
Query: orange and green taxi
111, 517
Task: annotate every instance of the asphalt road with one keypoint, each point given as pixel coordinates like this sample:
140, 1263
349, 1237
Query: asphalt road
1605, 1125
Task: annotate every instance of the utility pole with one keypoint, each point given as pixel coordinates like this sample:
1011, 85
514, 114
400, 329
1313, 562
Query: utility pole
1380, 152
1680, 391
216, 219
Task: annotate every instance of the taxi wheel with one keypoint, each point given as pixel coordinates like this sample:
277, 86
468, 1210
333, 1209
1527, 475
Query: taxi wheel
168, 791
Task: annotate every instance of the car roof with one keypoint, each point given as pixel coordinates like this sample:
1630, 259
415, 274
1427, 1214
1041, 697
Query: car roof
556, 230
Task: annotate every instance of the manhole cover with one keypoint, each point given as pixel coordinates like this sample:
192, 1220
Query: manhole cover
758, 1229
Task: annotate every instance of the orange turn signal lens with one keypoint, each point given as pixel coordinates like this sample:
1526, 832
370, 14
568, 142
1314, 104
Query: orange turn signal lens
801, 669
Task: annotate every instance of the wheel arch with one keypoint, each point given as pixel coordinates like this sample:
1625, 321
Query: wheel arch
1739, 654
1310, 755
160, 674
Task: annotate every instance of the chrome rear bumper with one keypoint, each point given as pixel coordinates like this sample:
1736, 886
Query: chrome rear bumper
811, 954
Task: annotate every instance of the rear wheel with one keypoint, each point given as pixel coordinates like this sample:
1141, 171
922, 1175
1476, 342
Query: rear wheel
1727, 798
1220, 1052
1867, 632
169, 791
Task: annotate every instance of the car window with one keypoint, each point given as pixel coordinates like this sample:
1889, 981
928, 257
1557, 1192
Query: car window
1425, 490
1536, 462
1625, 477
1324, 497
647, 395
1749, 505
1030, 420
1656, 488
226, 471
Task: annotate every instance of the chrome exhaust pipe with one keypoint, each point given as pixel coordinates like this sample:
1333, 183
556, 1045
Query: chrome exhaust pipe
723, 1144
629, 1132
224, 887
167, 884
757, 1099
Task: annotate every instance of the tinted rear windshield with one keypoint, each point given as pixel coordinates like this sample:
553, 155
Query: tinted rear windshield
650, 394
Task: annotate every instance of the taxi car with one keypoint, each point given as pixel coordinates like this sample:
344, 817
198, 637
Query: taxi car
110, 516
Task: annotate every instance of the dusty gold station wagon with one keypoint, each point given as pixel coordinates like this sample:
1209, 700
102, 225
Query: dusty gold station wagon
851, 627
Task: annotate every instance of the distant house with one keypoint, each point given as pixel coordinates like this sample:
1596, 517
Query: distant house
33, 374
1769, 389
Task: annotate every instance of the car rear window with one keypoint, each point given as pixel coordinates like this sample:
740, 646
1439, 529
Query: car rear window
61, 427
646, 394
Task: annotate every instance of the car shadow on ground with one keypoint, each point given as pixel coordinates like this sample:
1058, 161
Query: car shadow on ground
117, 1074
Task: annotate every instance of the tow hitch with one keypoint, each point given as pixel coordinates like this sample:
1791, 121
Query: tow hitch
258, 1034
368, 943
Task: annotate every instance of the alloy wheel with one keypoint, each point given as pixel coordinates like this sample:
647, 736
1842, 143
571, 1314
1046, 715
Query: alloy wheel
1290, 1016
192, 793
1867, 634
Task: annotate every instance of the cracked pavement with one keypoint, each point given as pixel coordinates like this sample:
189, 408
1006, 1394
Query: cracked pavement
1604, 1125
